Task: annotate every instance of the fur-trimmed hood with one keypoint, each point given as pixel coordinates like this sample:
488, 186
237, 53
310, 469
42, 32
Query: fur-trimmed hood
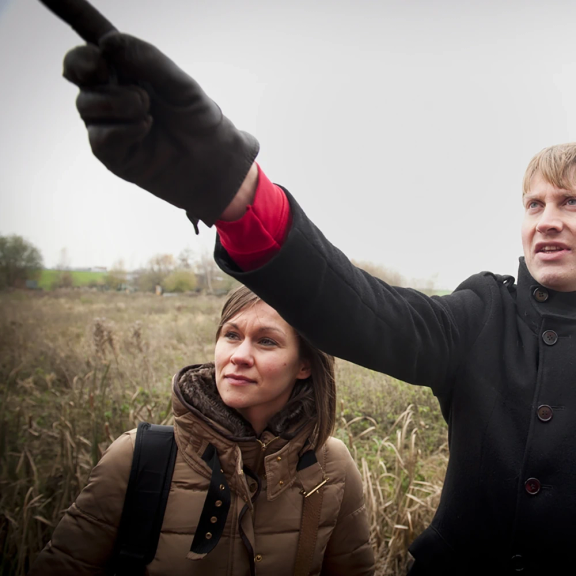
197, 387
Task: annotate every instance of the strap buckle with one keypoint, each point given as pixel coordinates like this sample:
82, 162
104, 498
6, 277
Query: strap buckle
310, 492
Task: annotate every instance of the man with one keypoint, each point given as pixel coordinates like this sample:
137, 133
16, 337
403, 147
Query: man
500, 356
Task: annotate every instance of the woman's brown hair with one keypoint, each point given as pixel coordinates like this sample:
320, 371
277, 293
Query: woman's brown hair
322, 366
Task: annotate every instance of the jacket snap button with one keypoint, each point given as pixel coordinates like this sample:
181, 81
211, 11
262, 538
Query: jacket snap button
218, 503
532, 486
517, 563
540, 295
222, 487
208, 535
258, 558
545, 413
279, 458
213, 519
281, 482
550, 337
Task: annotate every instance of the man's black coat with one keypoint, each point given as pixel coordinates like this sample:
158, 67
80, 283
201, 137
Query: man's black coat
500, 357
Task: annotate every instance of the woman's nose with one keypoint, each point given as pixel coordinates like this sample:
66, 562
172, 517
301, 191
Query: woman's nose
243, 354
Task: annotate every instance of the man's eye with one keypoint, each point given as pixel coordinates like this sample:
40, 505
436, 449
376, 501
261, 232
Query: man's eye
532, 205
571, 201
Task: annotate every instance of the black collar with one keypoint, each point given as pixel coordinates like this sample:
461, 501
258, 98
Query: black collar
535, 301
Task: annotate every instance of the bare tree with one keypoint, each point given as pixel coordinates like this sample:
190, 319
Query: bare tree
159, 267
186, 259
206, 271
63, 278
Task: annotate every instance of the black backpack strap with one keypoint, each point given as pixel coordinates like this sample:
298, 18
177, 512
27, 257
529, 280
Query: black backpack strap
146, 497
215, 511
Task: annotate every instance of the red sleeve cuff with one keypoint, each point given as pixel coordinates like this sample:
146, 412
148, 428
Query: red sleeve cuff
258, 236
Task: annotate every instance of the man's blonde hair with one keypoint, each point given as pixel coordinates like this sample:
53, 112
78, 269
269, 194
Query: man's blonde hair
556, 164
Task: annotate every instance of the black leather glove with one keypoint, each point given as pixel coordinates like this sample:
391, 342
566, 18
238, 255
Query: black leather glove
151, 124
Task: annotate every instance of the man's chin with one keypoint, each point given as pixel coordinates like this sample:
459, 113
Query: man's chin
555, 279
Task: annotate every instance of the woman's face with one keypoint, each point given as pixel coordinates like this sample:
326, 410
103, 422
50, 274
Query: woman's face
258, 362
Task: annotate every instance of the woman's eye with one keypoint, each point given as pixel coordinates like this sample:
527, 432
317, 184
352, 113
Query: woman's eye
231, 335
267, 342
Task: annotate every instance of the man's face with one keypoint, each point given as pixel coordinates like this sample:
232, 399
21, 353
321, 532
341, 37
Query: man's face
549, 235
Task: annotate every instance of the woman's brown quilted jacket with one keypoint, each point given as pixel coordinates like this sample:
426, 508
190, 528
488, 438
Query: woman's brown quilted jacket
83, 542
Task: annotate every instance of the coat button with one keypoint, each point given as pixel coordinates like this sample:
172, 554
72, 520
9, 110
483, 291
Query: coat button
218, 503
550, 337
517, 563
540, 295
532, 486
258, 558
545, 413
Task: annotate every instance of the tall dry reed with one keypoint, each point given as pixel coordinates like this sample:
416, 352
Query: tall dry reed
79, 368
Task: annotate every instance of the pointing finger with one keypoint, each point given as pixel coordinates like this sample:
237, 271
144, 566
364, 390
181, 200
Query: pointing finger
83, 18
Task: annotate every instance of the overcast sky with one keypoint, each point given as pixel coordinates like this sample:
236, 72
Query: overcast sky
402, 127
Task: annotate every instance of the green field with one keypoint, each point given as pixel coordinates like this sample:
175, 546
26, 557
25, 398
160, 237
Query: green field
49, 278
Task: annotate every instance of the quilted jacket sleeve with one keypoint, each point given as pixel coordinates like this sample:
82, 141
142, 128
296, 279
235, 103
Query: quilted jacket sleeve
83, 542
349, 551
347, 312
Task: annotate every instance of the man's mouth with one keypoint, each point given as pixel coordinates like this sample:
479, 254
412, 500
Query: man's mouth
550, 246
551, 251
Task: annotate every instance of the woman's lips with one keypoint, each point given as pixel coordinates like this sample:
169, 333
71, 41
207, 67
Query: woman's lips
238, 380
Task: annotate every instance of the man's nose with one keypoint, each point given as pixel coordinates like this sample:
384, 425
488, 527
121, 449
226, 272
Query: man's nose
550, 221
243, 353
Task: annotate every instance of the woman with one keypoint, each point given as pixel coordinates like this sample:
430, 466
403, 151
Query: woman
266, 401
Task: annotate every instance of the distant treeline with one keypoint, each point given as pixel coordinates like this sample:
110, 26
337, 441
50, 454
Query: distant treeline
21, 266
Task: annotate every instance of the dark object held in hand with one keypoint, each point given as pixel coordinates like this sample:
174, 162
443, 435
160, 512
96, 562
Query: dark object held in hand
152, 124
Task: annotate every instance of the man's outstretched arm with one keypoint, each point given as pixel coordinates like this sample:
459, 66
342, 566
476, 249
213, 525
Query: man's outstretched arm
152, 124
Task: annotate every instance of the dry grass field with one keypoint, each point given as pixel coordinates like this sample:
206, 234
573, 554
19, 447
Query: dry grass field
78, 368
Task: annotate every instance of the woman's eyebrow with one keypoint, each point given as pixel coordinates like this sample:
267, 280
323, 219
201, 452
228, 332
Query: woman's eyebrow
260, 329
270, 329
